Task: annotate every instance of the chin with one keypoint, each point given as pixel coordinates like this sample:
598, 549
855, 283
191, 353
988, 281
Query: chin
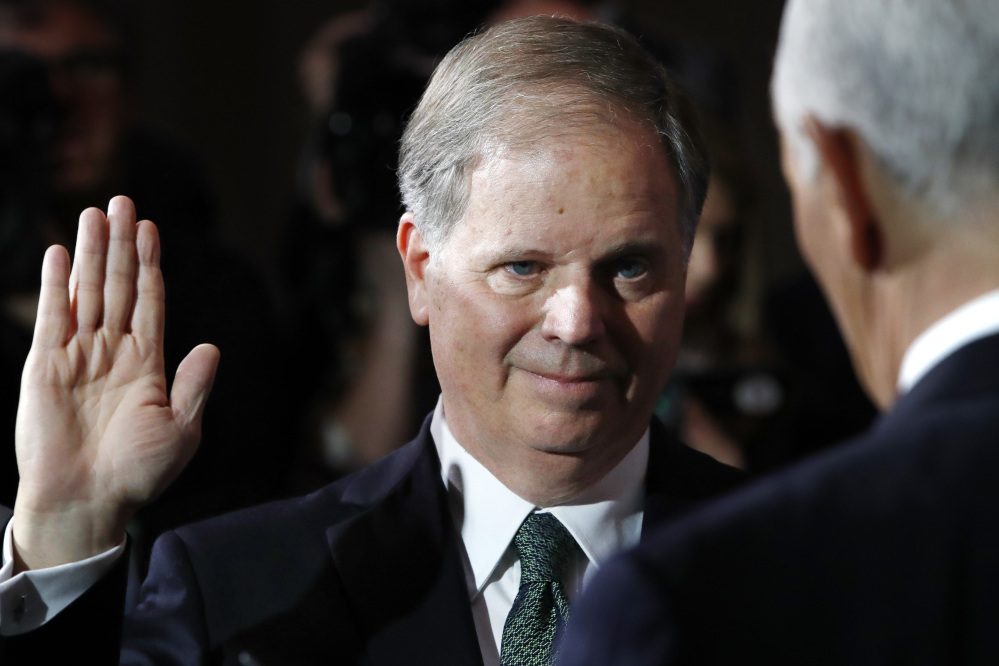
568, 438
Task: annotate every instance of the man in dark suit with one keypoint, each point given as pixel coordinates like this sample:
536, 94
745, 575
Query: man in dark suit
552, 176
884, 551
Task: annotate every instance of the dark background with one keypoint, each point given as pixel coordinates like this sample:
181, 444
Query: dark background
223, 76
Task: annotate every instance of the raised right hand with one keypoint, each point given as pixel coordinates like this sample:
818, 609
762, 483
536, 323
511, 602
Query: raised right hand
97, 433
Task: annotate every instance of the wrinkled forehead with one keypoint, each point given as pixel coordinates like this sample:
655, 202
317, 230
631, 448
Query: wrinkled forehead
614, 146
610, 184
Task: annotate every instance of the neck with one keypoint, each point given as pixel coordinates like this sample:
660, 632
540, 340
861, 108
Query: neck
545, 478
958, 267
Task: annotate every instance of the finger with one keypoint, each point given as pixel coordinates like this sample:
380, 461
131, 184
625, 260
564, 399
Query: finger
148, 315
191, 387
53, 323
87, 278
122, 263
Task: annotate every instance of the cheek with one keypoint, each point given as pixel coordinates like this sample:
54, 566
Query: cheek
474, 329
655, 332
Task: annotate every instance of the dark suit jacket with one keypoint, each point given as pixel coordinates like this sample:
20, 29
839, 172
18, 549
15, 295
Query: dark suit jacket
885, 551
366, 570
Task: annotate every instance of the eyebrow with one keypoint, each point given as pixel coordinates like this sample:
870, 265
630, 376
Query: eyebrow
519, 253
638, 247
630, 248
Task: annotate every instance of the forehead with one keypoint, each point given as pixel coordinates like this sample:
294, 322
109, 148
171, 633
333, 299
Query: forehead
574, 188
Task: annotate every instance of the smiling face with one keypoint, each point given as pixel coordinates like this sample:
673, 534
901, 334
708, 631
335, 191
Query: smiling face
556, 306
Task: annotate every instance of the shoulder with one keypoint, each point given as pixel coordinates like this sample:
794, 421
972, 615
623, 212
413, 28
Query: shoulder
926, 452
269, 568
304, 521
878, 532
901, 466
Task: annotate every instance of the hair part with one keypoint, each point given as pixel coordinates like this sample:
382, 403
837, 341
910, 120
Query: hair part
531, 80
915, 79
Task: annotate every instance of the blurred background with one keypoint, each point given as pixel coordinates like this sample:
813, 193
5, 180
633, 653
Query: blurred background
260, 136
224, 76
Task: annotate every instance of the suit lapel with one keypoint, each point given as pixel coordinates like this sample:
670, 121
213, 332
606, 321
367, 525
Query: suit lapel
401, 569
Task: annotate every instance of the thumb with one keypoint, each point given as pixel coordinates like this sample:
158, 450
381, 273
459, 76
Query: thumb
191, 387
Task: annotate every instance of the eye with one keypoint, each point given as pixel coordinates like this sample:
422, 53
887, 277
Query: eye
523, 268
630, 269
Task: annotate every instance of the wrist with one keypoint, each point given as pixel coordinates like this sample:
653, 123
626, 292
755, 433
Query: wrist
52, 537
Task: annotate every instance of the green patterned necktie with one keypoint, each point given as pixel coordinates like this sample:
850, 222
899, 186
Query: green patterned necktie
546, 551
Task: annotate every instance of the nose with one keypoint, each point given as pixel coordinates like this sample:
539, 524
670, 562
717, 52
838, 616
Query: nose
574, 314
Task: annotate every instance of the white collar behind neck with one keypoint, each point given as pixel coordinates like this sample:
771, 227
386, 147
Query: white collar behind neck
975, 319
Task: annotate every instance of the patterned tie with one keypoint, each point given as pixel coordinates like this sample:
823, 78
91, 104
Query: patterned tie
546, 550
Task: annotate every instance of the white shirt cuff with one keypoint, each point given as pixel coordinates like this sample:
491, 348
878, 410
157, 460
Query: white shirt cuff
32, 598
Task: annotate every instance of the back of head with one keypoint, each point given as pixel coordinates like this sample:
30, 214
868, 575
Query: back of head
917, 80
533, 80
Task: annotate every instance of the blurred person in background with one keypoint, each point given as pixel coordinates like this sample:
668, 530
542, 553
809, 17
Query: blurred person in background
763, 377
727, 388
70, 137
365, 372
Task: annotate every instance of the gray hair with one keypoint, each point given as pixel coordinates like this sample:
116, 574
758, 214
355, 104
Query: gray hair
529, 80
917, 80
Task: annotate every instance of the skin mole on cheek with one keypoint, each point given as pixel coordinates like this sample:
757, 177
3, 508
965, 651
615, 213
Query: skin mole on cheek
561, 210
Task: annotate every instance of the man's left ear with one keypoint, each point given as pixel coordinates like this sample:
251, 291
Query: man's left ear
840, 153
415, 257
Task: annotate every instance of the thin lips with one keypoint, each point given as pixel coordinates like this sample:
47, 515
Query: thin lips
572, 379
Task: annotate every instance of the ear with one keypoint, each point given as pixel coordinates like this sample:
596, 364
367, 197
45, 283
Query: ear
415, 257
840, 155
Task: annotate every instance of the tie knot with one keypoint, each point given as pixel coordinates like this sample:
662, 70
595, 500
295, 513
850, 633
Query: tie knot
545, 547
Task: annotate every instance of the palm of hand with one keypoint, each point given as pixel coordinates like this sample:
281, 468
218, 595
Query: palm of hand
88, 396
97, 433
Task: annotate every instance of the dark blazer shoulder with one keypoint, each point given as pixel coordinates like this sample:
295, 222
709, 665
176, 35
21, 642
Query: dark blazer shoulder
317, 511
252, 566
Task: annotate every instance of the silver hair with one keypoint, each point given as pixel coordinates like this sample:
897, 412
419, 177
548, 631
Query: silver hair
917, 80
528, 80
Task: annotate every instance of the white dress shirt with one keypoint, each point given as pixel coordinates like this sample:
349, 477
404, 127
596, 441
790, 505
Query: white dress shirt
604, 520
972, 321
32, 598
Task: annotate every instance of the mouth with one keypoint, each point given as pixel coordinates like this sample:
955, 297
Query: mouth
569, 378
573, 390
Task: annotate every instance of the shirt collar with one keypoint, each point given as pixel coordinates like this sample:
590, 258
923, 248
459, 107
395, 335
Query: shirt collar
975, 319
604, 520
